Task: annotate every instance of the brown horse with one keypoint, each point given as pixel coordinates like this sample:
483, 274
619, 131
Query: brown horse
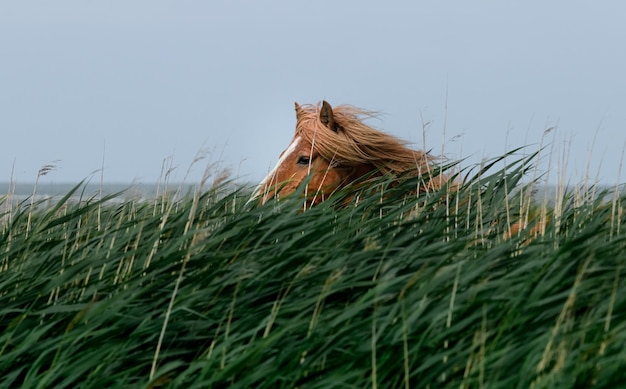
333, 147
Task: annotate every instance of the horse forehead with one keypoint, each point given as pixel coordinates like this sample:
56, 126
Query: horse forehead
292, 148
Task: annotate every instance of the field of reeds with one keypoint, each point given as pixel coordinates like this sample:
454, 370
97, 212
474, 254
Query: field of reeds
434, 290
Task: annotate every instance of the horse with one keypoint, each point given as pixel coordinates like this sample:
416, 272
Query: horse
333, 148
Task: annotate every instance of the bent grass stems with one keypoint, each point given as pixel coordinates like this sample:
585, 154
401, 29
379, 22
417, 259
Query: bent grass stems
202, 290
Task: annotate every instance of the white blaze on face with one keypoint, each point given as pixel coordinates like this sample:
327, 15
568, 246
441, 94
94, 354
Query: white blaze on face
272, 175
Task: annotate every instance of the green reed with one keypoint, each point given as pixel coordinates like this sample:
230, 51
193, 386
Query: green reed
390, 291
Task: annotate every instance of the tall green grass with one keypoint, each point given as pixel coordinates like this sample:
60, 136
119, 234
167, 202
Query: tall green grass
423, 291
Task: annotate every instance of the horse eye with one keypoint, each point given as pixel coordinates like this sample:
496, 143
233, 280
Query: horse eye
303, 160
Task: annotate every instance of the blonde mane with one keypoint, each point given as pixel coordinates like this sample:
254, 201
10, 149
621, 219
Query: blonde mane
357, 143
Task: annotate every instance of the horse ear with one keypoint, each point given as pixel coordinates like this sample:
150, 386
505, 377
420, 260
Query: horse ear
299, 111
326, 116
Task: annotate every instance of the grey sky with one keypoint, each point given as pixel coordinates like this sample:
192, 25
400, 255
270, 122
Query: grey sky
140, 81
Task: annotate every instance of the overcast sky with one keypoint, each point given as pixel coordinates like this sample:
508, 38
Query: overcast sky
134, 83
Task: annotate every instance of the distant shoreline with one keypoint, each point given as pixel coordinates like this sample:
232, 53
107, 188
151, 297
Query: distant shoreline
52, 191
88, 189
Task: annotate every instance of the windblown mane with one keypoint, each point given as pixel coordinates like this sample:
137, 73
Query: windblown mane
357, 143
